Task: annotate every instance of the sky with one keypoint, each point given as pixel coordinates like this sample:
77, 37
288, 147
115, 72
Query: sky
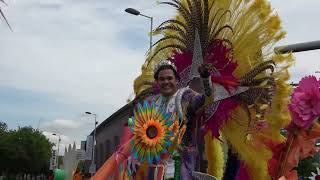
66, 57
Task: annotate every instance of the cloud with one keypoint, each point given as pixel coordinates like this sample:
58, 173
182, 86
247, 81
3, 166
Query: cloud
307, 63
62, 124
69, 127
78, 53
70, 131
298, 20
71, 53
65, 141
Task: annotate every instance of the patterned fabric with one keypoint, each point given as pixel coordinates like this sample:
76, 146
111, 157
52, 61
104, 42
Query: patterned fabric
190, 103
189, 157
148, 172
152, 133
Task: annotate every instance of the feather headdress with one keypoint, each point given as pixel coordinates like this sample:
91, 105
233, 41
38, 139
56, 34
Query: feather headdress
236, 36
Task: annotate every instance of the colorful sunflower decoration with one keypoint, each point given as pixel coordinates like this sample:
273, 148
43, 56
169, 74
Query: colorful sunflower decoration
152, 135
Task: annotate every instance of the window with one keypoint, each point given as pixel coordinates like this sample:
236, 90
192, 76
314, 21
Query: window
108, 150
116, 141
101, 154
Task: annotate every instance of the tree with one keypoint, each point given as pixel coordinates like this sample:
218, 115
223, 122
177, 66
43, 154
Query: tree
306, 166
3, 146
24, 150
36, 148
3, 127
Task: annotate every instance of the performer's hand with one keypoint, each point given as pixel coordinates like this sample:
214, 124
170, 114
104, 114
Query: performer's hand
204, 70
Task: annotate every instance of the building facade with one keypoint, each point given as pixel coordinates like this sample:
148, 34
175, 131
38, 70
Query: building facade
108, 134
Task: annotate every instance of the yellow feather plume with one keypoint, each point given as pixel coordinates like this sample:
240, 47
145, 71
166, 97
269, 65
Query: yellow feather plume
215, 156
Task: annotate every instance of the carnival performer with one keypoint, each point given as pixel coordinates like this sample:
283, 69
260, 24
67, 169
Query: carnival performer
181, 104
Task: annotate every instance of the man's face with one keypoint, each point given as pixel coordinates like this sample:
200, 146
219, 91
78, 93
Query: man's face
167, 82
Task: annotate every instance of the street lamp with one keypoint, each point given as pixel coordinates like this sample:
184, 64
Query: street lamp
93, 164
59, 140
299, 47
137, 13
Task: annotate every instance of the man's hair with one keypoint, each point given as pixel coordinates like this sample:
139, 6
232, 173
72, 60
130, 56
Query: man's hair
156, 74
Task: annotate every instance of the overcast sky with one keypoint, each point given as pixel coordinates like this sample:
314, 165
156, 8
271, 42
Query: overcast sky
66, 57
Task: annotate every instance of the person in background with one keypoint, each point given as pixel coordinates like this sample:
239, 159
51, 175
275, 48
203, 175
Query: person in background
77, 175
50, 175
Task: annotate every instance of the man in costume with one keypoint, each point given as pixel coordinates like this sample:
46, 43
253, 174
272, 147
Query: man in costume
181, 104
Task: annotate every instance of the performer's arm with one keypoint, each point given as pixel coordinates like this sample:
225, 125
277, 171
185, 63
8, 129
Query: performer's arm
198, 101
206, 81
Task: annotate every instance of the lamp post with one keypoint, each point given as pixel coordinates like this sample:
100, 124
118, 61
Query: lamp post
299, 47
93, 164
137, 13
59, 140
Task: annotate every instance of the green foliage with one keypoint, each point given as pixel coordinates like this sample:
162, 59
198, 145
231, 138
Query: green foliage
60, 160
306, 166
3, 127
284, 132
24, 150
81, 165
